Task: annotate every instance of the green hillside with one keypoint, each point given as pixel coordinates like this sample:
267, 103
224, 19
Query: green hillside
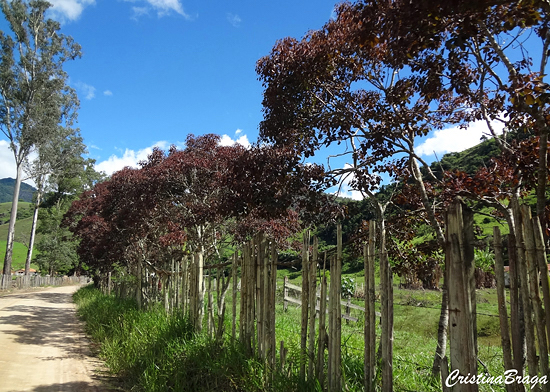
22, 234
6, 191
24, 210
468, 160
22, 230
19, 255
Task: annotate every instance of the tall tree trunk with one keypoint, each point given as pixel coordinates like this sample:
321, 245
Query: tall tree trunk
33, 230
13, 218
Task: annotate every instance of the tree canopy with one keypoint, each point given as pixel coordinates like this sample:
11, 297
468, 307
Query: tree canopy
195, 200
34, 96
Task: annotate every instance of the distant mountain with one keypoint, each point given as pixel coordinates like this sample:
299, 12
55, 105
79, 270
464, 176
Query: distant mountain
6, 191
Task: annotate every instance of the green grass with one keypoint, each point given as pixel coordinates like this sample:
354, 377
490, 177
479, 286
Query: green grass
486, 223
19, 255
22, 207
22, 230
154, 351
416, 318
22, 235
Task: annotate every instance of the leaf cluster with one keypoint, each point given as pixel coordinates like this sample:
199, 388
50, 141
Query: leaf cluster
195, 199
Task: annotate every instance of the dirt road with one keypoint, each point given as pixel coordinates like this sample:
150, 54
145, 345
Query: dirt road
42, 345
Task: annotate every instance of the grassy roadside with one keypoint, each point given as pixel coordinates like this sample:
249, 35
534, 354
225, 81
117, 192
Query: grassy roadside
153, 351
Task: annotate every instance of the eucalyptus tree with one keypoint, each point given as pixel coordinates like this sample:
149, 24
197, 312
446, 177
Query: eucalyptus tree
34, 96
59, 158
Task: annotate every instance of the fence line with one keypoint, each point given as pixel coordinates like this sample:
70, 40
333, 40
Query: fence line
252, 279
347, 305
7, 282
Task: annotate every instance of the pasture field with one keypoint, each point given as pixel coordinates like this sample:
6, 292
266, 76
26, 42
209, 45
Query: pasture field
22, 234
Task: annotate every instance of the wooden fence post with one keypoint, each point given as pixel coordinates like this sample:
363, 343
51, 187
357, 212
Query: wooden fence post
322, 338
272, 305
139, 293
243, 319
305, 302
210, 307
265, 299
234, 289
543, 268
283, 351
534, 291
248, 288
251, 300
177, 284
386, 310
460, 265
502, 311
335, 318
260, 329
516, 316
532, 361
285, 293
312, 309
370, 326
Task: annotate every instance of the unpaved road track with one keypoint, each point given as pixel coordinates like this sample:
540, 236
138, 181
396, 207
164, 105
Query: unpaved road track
42, 345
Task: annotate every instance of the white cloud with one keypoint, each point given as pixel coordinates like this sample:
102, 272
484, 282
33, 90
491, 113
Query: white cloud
107, 93
242, 140
68, 10
162, 8
7, 163
455, 139
234, 19
345, 189
129, 158
85, 90
139, 11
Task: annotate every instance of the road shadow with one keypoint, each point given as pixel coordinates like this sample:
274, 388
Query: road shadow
45, 318
50, 319
42, 296
74, 386
45, 326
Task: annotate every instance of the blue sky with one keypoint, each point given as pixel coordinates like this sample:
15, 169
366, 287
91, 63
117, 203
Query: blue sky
153, 71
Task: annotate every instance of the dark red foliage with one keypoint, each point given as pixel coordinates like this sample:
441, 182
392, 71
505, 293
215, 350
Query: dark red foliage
187, 200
